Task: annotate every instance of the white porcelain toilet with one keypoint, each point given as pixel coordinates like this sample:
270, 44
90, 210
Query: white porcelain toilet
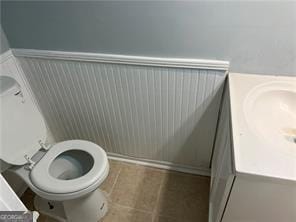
65, 176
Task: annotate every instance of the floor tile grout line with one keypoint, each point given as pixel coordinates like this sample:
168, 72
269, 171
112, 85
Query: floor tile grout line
132, 208
154, 212
115, 181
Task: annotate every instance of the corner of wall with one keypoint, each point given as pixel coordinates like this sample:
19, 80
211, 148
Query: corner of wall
4, 45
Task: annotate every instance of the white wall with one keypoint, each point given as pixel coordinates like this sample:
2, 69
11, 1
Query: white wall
255, 36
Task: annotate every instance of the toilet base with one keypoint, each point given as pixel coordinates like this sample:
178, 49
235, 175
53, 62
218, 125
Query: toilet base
89, 208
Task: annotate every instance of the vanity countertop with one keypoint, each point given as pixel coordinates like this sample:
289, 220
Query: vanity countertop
263, 116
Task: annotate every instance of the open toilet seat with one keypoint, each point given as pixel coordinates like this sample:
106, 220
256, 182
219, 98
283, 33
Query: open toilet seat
43, 175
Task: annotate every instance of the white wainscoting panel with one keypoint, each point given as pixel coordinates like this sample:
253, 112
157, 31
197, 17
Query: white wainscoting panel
166, 114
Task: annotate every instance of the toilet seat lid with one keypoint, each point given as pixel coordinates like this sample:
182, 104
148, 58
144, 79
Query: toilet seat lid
41, 178
22, 127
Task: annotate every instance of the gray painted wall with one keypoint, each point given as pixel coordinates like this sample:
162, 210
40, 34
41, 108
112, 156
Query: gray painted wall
257, 37
4, 46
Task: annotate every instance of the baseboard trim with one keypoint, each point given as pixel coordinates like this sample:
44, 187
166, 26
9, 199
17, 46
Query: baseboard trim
160, 164
124, 59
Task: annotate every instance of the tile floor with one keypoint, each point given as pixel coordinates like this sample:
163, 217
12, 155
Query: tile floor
144, 194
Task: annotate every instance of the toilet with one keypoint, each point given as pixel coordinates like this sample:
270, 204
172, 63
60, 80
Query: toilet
65, 176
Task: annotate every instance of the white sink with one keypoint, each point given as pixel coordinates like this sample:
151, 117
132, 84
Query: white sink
264, 124
270, 112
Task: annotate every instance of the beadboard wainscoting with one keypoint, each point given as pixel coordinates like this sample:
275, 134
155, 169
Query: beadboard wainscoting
162, 111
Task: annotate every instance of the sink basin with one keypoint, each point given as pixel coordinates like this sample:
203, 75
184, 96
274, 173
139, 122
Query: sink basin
270, 112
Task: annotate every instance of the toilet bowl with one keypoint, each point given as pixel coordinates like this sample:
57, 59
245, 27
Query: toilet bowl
70, 169
65, 176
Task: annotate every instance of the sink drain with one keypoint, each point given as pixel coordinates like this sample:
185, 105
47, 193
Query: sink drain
291, 139
290, 134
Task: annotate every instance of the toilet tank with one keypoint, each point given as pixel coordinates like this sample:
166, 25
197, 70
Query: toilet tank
22, 125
